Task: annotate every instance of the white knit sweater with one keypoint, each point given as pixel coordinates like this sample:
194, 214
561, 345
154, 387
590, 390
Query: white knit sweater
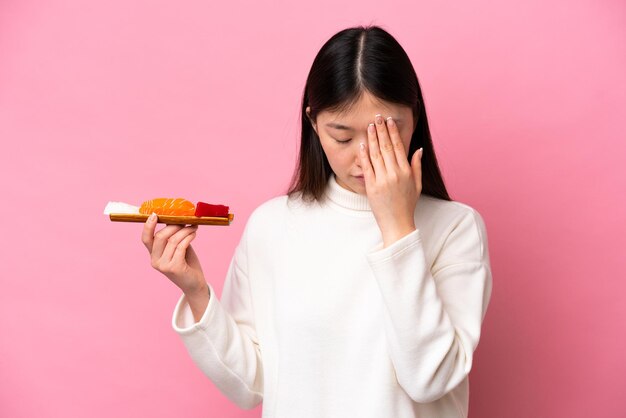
317, 319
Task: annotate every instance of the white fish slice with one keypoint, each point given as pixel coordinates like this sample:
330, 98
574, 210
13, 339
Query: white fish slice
120, 207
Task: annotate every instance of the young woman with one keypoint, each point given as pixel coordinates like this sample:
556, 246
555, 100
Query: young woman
360, 292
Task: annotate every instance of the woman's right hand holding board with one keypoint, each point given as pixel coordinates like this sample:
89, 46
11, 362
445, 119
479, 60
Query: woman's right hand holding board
171, 253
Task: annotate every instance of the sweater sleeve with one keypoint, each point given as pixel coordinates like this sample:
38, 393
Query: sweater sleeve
433, 318
223, 343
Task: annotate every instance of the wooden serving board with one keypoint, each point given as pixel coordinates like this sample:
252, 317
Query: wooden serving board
173, 220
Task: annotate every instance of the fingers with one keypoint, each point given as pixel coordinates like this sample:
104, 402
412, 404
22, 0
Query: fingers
386, 150
385, 145
374, 151
416, 167
174, 241
398, 145
160, 241
366, 166
181, 248
147, 235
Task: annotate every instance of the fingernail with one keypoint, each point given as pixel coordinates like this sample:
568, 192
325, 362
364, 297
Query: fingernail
362, 146
379, 119
421, 151
152, 217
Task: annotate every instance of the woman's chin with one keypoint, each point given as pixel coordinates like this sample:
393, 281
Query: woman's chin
359, 183
359, 188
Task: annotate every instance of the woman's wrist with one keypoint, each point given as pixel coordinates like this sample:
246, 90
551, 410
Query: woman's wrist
199, 291
198, 301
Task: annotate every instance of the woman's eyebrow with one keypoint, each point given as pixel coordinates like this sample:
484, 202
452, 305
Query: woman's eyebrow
347, 128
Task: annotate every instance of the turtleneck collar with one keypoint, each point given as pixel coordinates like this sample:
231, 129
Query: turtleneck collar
346, 198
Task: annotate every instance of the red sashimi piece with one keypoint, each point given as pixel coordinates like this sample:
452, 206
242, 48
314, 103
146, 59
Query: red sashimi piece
206, 209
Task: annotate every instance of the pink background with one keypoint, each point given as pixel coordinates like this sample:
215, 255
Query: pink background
128, 101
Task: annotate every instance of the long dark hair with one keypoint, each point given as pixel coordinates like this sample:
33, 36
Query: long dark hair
355, 60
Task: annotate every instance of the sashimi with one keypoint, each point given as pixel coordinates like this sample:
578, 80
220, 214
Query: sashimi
206, 209
168, 206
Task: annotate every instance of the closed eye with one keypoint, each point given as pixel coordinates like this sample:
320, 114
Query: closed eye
343, 142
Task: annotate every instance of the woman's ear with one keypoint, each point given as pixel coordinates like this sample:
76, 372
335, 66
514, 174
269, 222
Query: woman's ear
308, 115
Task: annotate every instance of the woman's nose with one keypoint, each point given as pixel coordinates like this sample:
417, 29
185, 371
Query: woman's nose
357, 152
